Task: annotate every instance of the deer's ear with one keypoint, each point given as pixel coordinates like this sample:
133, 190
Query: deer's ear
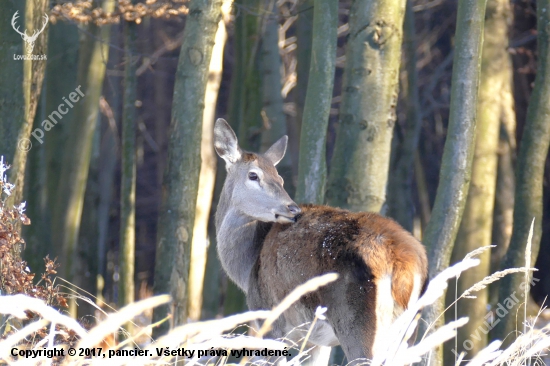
277, 151
225, 142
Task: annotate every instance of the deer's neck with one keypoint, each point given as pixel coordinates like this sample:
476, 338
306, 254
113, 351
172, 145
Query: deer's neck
239, 239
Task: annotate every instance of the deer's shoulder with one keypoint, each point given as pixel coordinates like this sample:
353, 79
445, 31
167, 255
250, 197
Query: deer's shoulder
379, 239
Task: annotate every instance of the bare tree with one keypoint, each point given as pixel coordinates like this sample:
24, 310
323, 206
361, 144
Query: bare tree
304, 27
532, 155
477, 219
207, 178
181, 178
127, 243
94, 52
312, 169
246, 94
12, 111
21, 84
62, 39
273, 115
360, 164
454, 178
400, 192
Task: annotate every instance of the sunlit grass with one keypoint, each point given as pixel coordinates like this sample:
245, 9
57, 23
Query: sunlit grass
32, 324
212, 334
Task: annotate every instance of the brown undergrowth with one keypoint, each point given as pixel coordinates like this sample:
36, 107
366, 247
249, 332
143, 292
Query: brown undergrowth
15, 276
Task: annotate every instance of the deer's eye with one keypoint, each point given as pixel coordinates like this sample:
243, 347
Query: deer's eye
252, 176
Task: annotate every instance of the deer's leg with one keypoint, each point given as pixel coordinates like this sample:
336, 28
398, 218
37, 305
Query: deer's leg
354, 339
352, 315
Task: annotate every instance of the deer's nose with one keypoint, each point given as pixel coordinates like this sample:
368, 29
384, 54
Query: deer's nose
295, 210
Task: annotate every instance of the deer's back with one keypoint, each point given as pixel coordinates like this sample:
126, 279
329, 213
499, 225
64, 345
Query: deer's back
361, 247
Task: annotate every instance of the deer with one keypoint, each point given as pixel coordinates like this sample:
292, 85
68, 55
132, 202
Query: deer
29, 40
268, 245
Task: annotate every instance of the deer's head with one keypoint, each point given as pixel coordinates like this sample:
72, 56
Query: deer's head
255, 187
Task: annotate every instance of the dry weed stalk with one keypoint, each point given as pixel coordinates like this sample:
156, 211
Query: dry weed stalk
404, 326
203, 335
493, 278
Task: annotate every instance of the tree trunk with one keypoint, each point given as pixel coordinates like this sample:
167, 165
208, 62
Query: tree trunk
273, 115
61, 74
312, 169
207, 177
16, 125
400, 187
236, 95
12, 102
245, 103
304, 27
359, 167
533, 151
456, 164
503, 217
477, 219
506, 181
35, 194
211, 293
180, 185
127, 246
109, 150
94, 51
86, 258
247, 82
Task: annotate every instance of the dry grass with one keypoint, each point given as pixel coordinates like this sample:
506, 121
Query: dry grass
194, 336
212, 334
32, 323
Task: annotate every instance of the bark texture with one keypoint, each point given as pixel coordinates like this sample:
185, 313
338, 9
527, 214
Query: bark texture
454, 178
94, 53
181, 178
506, 180
400, 187
207, 177
360, 164
503, 217
477, 219
86, 258
533, 151
304, 27
312, 167
246, 94
273, 115
127, 244
19, 101
63, 39
12, 103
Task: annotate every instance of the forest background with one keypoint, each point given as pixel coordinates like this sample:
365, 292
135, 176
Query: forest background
435, 113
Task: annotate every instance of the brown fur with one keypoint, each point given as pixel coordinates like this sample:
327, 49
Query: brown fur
361, 247
335, 235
